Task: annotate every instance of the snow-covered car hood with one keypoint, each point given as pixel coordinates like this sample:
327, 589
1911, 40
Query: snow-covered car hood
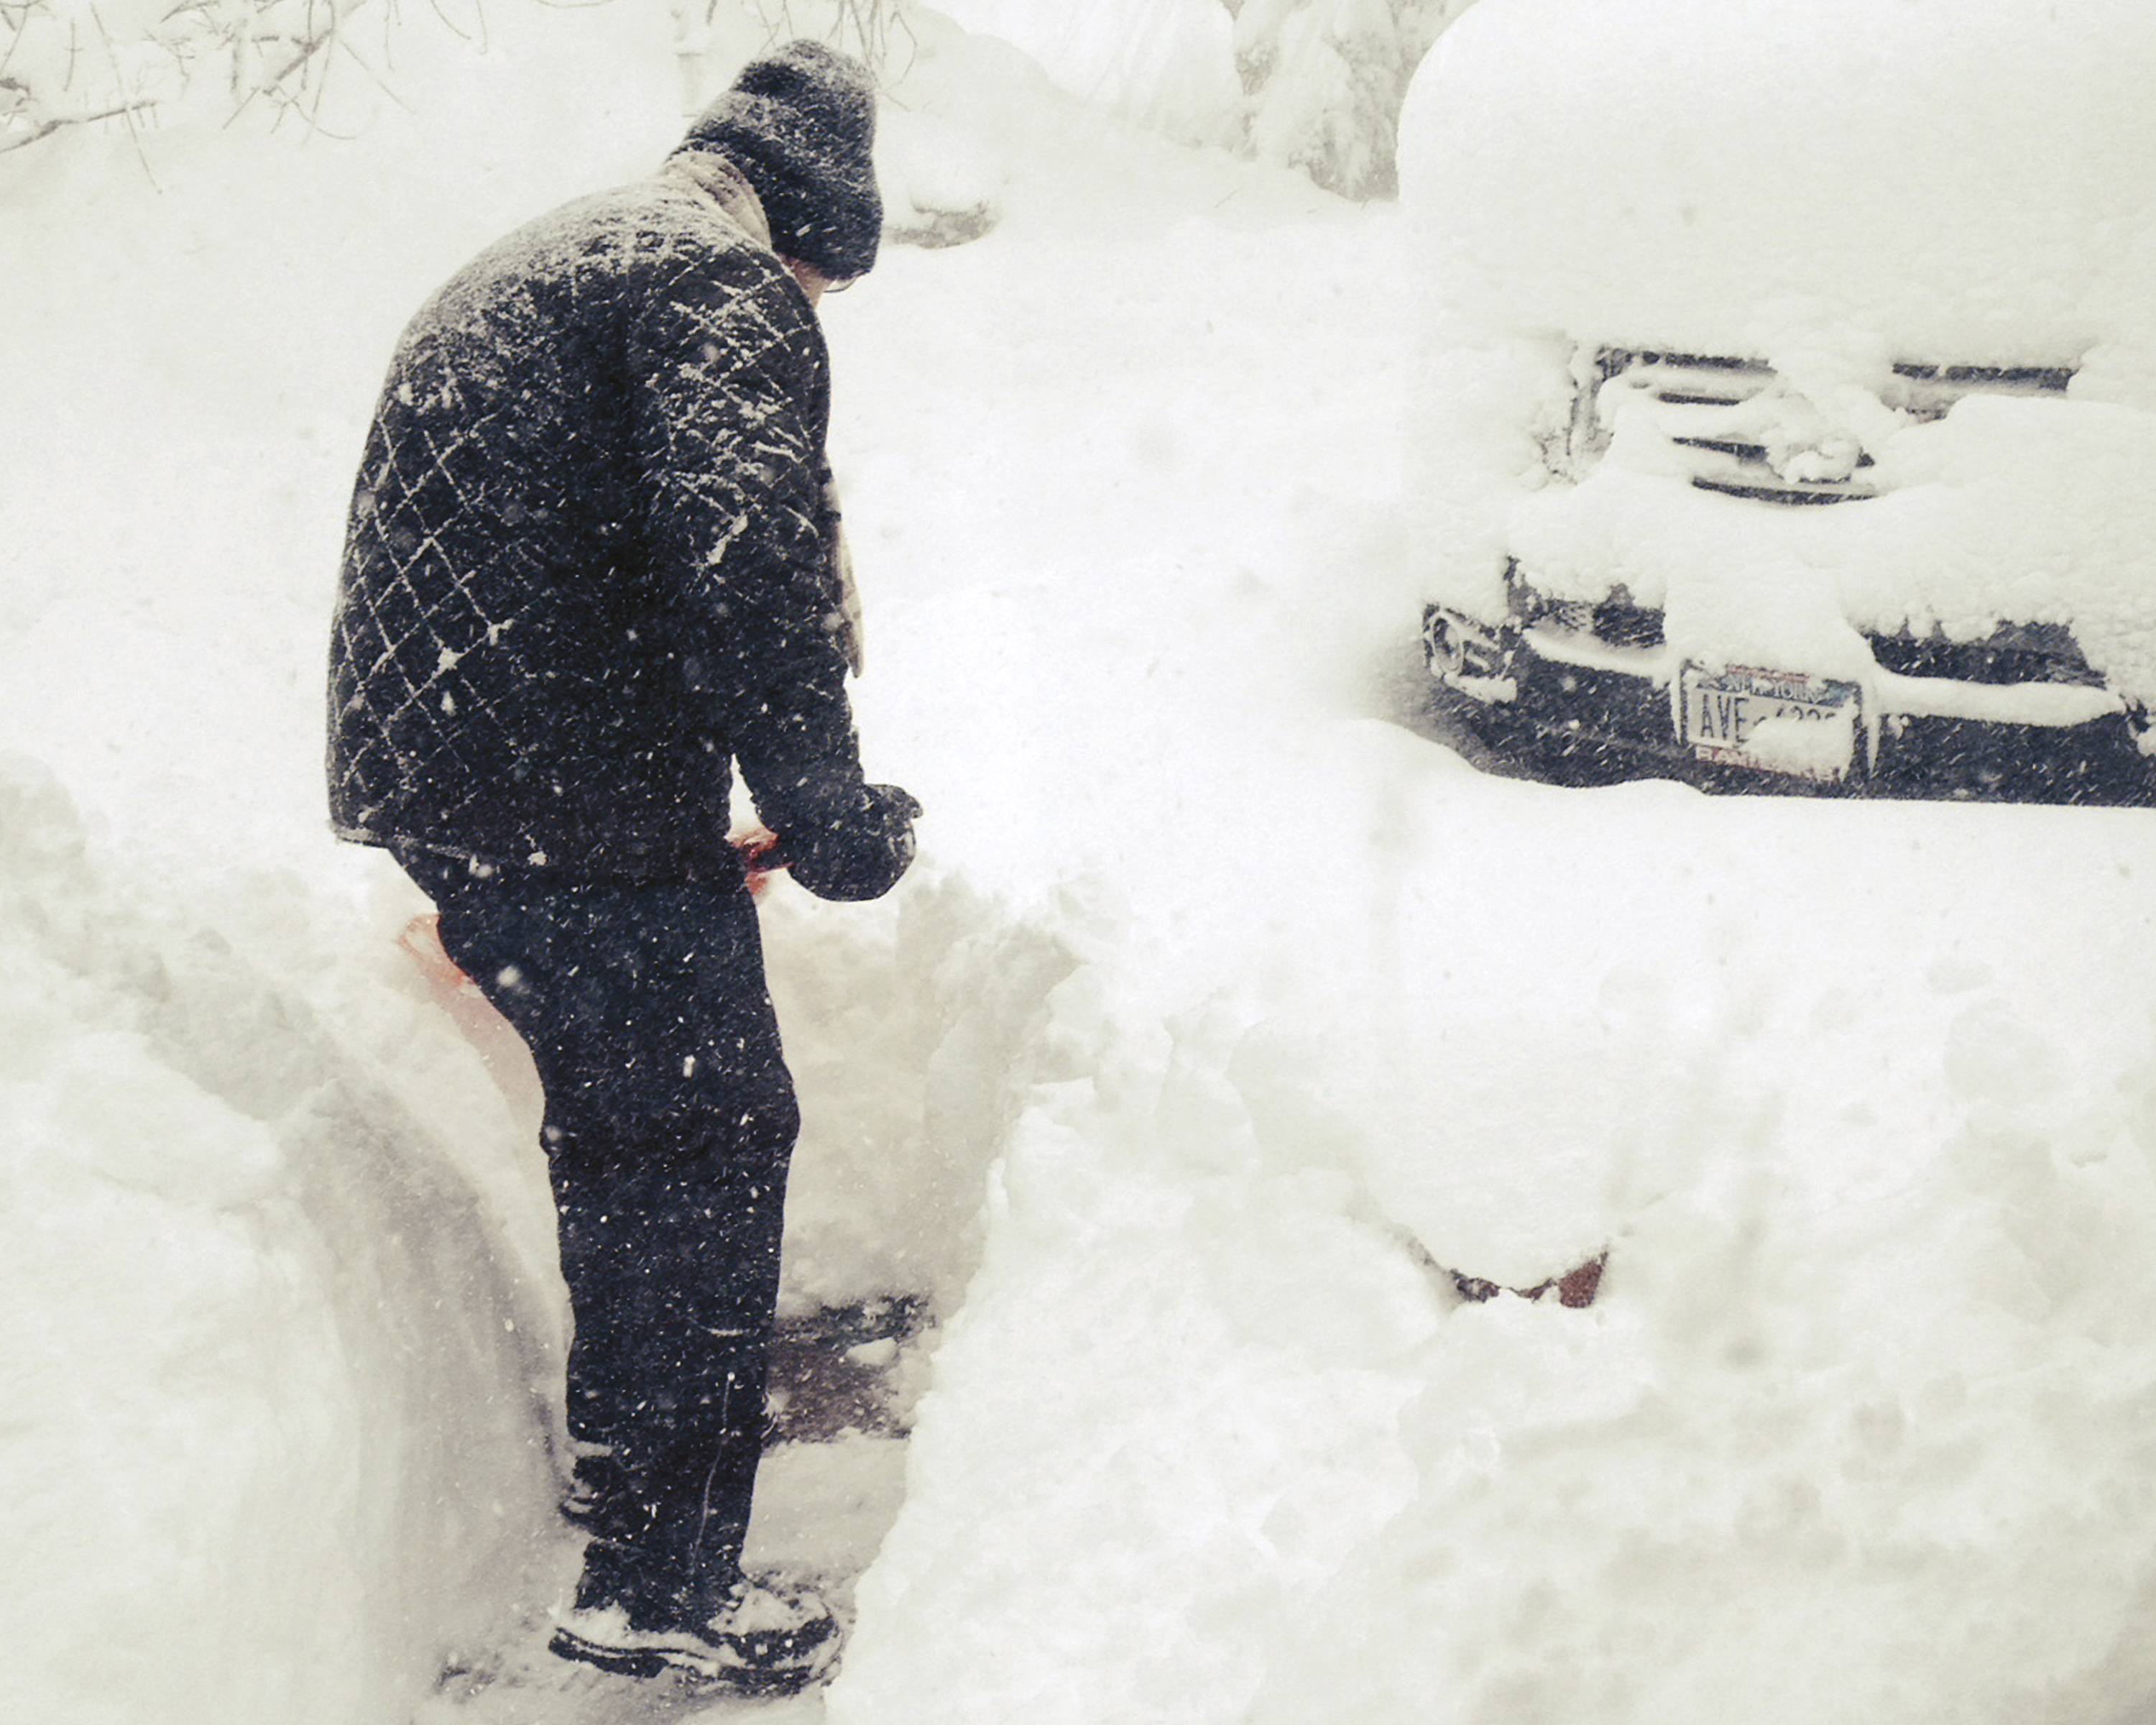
2034, 511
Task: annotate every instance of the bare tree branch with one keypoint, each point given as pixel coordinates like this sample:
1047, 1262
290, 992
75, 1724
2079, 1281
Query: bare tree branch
59, 122
302, 57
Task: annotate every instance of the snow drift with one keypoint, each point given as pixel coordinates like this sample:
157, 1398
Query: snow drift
1857, 1099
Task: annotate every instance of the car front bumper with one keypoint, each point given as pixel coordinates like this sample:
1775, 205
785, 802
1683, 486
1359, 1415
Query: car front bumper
1537, 698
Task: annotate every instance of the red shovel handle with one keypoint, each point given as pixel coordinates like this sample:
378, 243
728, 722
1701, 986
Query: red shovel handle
422, 941
761, 857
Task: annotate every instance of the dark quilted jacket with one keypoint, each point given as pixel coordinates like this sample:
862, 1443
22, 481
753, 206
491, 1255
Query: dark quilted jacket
586, 561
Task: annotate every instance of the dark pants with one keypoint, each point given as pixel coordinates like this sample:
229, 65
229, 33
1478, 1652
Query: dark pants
669, 1122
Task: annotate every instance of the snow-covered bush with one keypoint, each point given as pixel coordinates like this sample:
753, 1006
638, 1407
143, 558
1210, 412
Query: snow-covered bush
1313, 84
1168, 63
1325, 79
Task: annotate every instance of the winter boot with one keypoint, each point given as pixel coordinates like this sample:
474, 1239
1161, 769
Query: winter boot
766, 1638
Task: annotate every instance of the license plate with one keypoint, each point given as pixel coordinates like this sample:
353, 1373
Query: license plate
1774, 721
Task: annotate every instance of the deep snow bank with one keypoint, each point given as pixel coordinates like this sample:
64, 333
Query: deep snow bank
911, 1029
1860, 1101
277, 1384
283, 1327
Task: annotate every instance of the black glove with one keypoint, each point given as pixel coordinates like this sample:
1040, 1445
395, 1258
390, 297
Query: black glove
856, 848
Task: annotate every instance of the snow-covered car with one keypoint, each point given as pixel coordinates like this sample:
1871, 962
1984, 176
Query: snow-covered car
1788, 415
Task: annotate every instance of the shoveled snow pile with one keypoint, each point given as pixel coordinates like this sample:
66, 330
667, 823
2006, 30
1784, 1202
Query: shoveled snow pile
1857, 1099
279, 1368
1833, 190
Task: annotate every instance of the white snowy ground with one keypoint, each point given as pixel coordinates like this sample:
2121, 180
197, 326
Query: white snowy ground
1220, 1010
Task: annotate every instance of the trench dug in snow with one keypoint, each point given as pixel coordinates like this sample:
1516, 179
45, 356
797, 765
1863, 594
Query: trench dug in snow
290, 1408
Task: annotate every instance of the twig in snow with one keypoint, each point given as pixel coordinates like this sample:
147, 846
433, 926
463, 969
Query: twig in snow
119, 82
379, 82
455, 28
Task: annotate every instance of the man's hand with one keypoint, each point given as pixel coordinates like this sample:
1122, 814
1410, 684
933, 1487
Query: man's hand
856, 850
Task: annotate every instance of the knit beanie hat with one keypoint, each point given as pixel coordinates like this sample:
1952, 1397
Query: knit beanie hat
800, 124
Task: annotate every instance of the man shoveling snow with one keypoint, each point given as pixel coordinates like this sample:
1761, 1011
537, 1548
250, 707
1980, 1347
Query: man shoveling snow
591, 559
